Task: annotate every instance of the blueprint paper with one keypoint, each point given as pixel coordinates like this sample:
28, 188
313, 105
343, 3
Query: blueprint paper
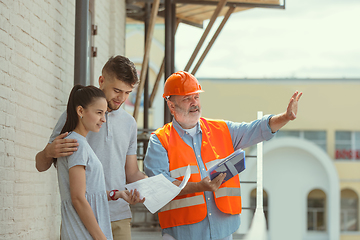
158, 190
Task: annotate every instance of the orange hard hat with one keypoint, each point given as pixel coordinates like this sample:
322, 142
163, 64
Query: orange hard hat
181, 83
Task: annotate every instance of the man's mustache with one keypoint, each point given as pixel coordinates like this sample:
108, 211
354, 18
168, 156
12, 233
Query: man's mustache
194, 108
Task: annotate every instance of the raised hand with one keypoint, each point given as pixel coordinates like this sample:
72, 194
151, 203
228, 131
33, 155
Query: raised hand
292, 108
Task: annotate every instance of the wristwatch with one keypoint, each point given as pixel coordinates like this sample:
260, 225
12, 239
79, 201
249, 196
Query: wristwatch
112, 194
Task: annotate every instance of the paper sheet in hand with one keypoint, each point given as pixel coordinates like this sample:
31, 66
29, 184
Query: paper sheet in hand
158, 190
231, 165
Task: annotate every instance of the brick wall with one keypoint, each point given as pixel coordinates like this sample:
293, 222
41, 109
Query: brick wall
110, 19
36, 75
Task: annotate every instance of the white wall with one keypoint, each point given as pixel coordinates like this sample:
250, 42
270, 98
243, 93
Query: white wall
36, 75
110, 18
292, 168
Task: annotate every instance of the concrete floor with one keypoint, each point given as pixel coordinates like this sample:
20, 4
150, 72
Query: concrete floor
145, 235
138, 234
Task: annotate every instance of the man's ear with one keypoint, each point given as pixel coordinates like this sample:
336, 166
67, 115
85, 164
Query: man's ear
171, 106
101, 81
80, 111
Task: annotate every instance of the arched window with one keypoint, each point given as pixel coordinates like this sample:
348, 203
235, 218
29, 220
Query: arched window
265, 204
349, 210
316, 211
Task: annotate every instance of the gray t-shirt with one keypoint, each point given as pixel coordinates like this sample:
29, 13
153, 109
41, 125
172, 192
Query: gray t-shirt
116, 139
71, 225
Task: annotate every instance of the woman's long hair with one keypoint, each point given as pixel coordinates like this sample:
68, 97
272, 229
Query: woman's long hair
79, 96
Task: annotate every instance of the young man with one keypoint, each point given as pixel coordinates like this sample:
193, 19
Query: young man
115, 144
204, 209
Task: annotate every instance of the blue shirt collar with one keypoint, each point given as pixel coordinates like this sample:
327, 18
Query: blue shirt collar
181, 131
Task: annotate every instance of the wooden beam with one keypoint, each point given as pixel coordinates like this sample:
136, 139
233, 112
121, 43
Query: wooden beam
206, 32
144, 68
156, 84
228, 14
160, 73
233, 3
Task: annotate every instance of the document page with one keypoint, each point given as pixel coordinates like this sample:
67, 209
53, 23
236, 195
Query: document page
158, 190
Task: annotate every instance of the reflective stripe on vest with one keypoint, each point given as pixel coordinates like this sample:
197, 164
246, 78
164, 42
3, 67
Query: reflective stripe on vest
222, 192
216, 144
183, 202
180, 172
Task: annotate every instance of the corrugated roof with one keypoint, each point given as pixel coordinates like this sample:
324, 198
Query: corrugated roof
195, 11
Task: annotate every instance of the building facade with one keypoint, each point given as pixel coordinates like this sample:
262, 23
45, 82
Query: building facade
36, 76
311, 167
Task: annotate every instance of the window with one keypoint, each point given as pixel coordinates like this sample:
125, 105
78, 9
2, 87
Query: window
316, 203
349, 211
265, 205
282, 133
347, 145
317, 137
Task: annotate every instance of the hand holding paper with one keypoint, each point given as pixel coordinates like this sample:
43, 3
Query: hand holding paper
158, 190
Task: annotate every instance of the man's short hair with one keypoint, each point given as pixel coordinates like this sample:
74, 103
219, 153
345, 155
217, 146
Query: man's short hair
122, 69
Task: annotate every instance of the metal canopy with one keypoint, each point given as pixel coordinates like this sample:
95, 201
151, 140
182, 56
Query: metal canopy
193, 12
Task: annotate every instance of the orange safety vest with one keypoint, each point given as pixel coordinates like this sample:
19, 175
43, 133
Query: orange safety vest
216, 144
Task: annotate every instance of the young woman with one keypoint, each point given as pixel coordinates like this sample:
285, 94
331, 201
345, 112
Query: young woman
84, 207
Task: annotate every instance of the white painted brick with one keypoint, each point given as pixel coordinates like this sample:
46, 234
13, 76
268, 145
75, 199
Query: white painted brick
5, 229
20, 22
23, 50
4, 94
20, 64
34, 67
11, 43
9, 134
36, 75
49, 21
24, 10
4, 65
21, 139
2, 144
35, 23
10, 120
2, 159
4, 11
8, 176
4, 24
4, 37
3, 48
31, 7
8, 3
3, 102
3, 80
25, 125
40, 48
8, 50
10, 107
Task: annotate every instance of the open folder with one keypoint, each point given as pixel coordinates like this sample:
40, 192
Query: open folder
231, 165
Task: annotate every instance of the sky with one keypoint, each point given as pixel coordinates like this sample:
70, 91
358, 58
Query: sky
309, 39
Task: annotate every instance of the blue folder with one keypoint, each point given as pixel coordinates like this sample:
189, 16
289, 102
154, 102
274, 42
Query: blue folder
231, 165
